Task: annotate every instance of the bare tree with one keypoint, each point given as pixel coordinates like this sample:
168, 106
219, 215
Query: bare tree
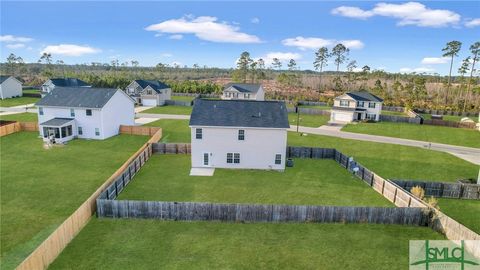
451, 50
340, 53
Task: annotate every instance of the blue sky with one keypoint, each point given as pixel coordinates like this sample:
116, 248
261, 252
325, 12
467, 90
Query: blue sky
394, 36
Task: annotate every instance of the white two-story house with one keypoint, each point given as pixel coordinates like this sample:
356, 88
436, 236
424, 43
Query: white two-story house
149, 93
239, 134
50, 84
89, 113
356, 106
248, 91
10, 87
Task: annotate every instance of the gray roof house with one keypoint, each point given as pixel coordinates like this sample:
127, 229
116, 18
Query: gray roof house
356, 106
91, 113
50, 84
10, 87
149, 92
240, 134
249, 91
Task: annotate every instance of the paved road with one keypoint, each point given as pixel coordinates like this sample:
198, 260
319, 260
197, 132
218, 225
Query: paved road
466, 153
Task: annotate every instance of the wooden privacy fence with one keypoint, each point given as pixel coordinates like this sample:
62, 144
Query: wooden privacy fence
438, 122
393, 108
312, 103
400, 119
172, 148
49, 249
197, 211
445, 112
311, 111
179, 103
139, 130
13, 127
442, 189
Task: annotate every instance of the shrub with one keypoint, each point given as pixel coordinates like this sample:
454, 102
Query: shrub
417, 191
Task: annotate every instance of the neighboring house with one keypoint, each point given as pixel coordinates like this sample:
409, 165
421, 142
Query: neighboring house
149, 93
239, 134
248, 91
356, 106
50, 84
90, 113
10, 87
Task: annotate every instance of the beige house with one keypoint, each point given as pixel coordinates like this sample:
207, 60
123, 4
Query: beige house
149, 93
244, 91
356, 106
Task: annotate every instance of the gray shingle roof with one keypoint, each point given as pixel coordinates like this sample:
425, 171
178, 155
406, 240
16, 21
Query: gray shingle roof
244, 87
56, 122
364, 96
239, 113
69, 82
77, 97
3, 78
155, 85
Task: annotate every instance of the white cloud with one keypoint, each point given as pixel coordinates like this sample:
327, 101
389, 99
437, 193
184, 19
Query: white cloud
15, 45
10, 38
418, 70
435, 60
282, 56
176, 37
411, 13
473, 22
69, 50
304, 43
205, 28
255, 20
352, 12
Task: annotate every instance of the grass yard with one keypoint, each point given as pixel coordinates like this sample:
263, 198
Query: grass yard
21, 117
308, 120
10, 102
182, 98
466, 212
317, 107
170, 109
428, 133
394, 113
395, 161
31, 91
173, 131
309, 182
153, 244
454, 118
41, 188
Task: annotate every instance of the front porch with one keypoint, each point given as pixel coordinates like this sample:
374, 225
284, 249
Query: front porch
58, 130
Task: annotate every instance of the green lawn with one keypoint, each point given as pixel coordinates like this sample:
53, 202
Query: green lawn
454, 118
308, 120
41, 188
31, 91
21, 117
309, 182
153, 244
183, 98
173, 131
395, 161
186, 110
466, 212
394, 113
10, 102
317, 107
438, 134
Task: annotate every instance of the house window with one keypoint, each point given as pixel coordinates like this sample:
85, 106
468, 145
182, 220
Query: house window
40, 110
371, 105
80, 131
278, 159
229, 157
241, 135
236, 158
371, 116
198, 133
344, 103
72, 112
360, 104
97, 132
149, 91
66, 131
88, 112
246, 95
